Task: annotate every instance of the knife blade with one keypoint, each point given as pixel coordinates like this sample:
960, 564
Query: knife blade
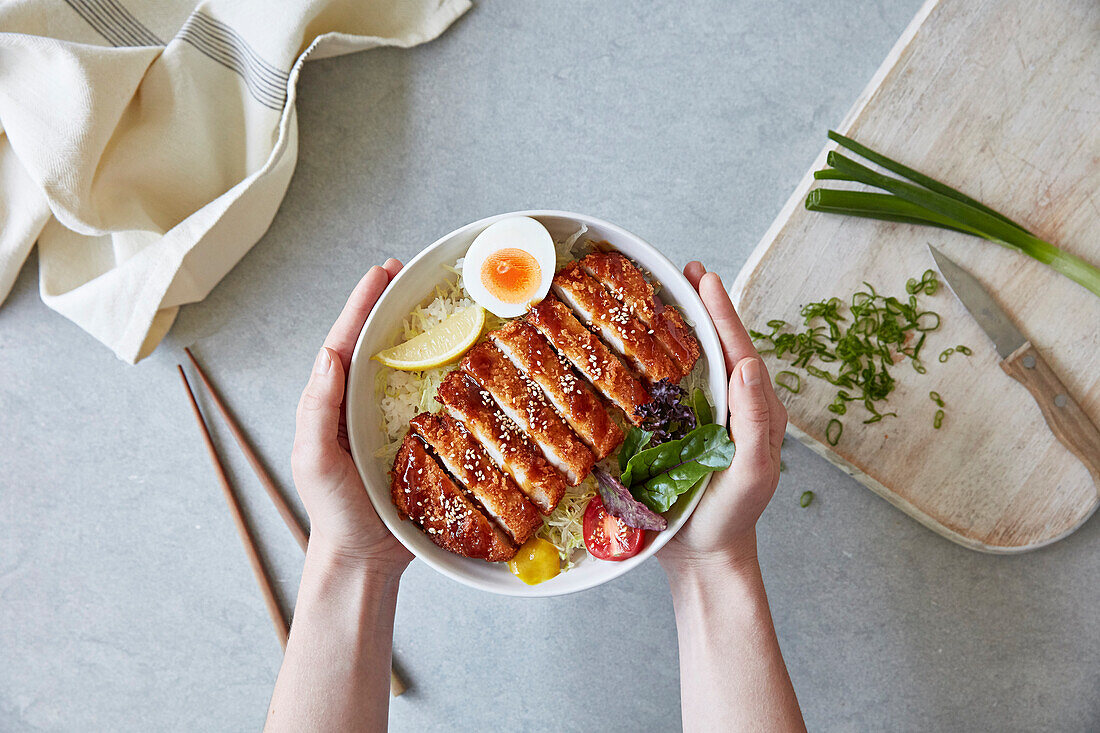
977, 300
1021, 361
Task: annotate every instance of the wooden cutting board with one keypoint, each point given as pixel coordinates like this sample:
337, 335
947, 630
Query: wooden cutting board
1000, 99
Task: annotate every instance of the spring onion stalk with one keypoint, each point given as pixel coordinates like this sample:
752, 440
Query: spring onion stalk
924, 200
882, 206
917, 177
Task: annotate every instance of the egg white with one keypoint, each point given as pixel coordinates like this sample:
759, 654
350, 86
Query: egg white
519, 232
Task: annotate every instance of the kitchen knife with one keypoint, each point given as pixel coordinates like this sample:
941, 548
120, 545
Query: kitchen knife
1019, 359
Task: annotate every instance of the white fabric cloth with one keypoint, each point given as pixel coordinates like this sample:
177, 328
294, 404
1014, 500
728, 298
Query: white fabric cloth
146, 145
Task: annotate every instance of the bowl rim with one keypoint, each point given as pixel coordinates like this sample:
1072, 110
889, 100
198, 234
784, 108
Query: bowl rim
614, 570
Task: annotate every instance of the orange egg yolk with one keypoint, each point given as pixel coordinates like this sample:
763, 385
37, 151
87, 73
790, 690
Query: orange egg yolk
511, 275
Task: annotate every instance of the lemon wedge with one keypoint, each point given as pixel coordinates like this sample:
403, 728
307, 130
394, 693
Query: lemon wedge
440, 345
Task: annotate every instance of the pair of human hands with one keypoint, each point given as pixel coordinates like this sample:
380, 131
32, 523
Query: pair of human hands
721, 530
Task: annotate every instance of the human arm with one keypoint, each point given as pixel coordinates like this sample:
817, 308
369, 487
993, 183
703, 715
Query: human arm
732, 674
335, 673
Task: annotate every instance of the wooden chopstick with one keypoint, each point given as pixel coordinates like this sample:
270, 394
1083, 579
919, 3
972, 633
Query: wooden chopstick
276, 496
282, 627
397, 685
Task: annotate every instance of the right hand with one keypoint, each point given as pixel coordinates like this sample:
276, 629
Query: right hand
723, 527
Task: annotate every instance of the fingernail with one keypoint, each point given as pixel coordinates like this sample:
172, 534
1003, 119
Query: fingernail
323, 363
751, 372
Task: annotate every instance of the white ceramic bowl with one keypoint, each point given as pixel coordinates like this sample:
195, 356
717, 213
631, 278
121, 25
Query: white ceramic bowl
412, 287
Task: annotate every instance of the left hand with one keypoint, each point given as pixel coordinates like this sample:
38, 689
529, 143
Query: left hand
342, 520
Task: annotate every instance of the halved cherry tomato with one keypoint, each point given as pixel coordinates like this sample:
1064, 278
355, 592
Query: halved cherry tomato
605, 535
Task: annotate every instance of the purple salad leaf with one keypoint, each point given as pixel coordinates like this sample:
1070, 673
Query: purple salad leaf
619, 502
667, 416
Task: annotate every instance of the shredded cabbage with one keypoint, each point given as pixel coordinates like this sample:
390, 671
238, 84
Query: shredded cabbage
401, 395
564, 528
564, 249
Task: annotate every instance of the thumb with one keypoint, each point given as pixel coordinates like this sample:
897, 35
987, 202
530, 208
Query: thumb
318, 419
750, 416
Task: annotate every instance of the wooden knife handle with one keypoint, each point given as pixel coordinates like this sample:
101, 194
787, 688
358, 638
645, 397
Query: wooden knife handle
1069, 423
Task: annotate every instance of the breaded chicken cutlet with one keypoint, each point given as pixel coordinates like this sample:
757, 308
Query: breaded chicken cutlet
467, 461
423, 492
628, 285
621, 330
571, 397
524, 403
502, 439
587, 353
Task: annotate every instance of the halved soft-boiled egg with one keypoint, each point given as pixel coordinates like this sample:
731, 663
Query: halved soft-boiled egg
509, 266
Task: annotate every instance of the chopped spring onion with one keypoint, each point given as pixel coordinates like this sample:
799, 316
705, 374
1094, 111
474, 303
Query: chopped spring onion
946, 353
789, 381
928, 284
805, 499
924, 200
876, 418
853, 351
937, 421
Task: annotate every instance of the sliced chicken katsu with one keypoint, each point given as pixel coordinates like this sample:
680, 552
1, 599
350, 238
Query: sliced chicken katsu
423, 492
622, 331
587, 353
502, 439
571, 397
524, 403
467, 461
628, 285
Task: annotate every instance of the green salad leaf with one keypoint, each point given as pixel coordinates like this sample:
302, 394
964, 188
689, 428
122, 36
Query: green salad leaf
657, 476
700, 405
636, 439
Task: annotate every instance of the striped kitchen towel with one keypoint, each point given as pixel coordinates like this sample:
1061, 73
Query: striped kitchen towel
146, 144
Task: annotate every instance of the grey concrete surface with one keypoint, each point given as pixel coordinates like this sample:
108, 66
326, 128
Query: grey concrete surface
126, 603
